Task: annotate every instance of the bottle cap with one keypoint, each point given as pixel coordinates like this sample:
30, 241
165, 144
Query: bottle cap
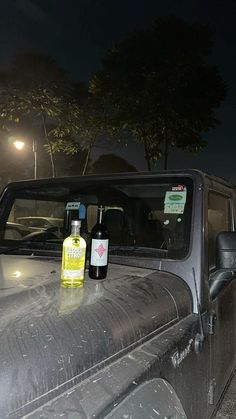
76, 223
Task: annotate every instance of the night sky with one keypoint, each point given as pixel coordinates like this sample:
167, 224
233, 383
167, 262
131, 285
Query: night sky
78, 32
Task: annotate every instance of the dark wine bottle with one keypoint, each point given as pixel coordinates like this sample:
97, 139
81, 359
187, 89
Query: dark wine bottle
99, 249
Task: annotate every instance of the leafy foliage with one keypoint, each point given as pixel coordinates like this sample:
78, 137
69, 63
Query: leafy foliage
38, 97
157, 85
34, 86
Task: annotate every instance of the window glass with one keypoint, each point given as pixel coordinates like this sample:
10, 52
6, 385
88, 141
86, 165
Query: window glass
144, 217
29, 215
218, 220
92, 214
154, 216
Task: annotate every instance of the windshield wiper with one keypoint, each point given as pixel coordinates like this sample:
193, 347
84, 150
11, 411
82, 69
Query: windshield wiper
29, 245
21, 245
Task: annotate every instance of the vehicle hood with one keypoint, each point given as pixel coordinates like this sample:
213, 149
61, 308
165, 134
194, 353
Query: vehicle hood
20, 272
52, 338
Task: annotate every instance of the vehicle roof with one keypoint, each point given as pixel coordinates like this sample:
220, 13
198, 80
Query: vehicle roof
121, 175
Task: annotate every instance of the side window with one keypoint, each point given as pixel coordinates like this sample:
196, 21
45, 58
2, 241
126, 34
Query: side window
219, 219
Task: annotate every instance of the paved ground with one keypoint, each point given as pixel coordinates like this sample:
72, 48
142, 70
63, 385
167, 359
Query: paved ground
228, 407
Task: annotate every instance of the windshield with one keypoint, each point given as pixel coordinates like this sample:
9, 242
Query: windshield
145, 217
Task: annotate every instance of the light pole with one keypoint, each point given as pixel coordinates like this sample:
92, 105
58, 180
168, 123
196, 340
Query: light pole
19, 144
35, 158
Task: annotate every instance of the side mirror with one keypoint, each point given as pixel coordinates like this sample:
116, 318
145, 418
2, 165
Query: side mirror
226, 250
219, 280
225, 262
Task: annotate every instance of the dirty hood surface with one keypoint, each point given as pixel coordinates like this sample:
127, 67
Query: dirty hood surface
53, 338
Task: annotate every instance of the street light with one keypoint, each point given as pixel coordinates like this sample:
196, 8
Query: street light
19, 144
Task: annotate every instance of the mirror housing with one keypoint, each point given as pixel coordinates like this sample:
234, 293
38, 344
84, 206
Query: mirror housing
226, 250
219, 280
225, 262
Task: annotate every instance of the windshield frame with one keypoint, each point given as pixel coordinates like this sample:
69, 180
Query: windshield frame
10, 194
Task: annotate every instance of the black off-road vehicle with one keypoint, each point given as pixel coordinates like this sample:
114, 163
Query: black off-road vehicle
156, 338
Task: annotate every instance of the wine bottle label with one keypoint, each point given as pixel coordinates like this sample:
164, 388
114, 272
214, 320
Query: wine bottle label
99, 252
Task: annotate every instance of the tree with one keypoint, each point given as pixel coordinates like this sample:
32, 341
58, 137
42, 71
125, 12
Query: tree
157, 84
93, 129
38, 97
110, 163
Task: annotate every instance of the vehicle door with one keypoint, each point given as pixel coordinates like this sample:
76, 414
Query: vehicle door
221, 319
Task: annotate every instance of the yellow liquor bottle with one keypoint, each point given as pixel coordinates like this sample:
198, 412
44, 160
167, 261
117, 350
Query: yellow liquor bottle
73, 258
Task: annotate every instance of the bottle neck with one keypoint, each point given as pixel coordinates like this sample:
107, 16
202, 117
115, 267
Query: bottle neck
75, 231
100, 214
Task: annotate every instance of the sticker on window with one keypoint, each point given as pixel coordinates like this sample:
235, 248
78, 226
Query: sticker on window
175, 202
178, 188
72, 205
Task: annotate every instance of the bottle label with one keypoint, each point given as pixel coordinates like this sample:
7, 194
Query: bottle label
99, 252
76, 273
73, 260
73, 252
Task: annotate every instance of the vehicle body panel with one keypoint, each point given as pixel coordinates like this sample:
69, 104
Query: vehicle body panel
222, 309
71, 332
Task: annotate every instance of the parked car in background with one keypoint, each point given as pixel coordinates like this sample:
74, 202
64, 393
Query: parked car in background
15, 231
39, 223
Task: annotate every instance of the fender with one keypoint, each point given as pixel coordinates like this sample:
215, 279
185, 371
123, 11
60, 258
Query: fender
153, 398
